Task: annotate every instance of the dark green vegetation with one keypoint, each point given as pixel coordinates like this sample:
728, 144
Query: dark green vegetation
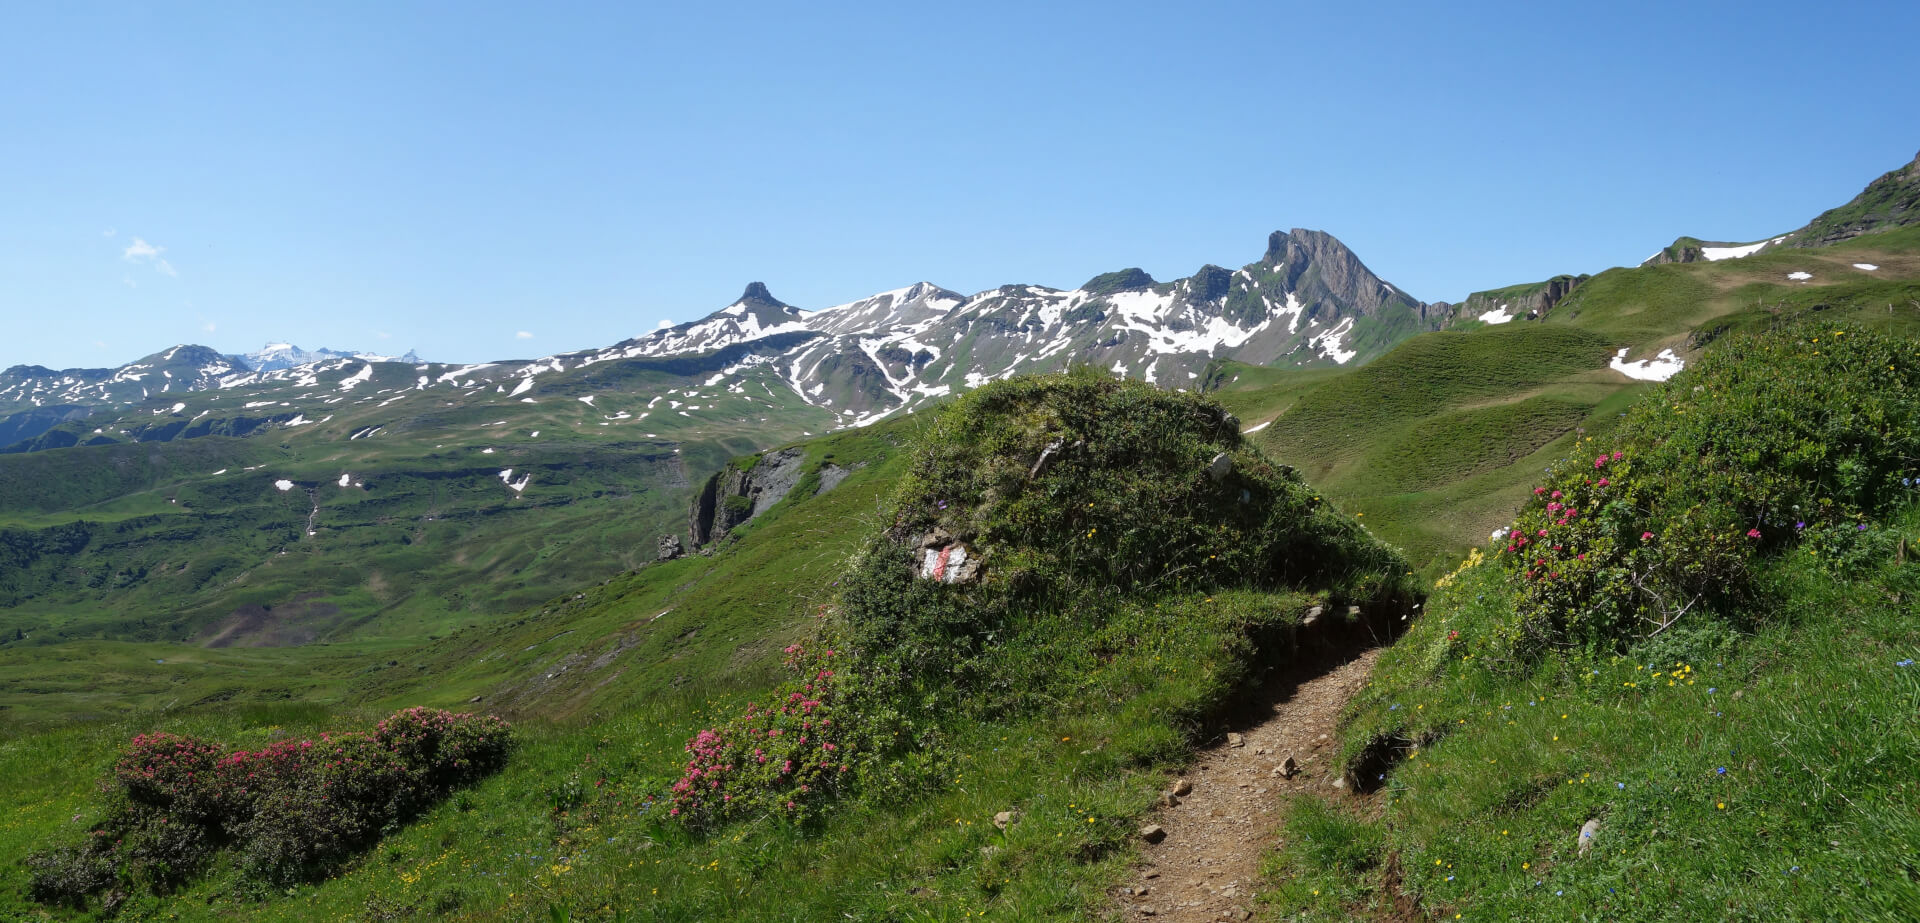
1699, 634
292, 811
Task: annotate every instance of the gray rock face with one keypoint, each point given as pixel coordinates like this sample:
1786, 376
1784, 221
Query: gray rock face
733, 496
831, 475
671, 548
1320, 268
1528, 302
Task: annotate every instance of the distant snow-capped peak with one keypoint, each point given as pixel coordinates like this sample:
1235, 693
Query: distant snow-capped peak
273, 357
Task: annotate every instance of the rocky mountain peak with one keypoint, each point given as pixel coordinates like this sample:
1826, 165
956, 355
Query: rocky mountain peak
1211, 283
1132, 279
1320, 267
757, 296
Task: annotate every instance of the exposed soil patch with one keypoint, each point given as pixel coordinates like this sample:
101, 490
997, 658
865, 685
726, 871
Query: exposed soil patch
289, 624
1208, 866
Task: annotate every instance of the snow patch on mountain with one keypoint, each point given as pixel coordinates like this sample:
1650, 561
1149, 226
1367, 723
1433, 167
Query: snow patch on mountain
1660, 368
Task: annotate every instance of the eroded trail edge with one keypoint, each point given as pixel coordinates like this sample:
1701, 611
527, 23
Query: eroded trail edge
1208, 865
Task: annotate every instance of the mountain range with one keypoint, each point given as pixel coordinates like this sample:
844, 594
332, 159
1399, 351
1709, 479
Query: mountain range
1308, 302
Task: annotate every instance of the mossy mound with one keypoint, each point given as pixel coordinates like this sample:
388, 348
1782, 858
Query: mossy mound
1078, 483
1069, 494
1061, 545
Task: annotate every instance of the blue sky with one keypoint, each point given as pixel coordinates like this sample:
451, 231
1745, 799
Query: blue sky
485, 181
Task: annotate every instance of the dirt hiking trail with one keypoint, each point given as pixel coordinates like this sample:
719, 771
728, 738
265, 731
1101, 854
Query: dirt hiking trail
1207, 867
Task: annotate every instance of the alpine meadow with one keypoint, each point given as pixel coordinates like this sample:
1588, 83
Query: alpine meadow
1265, 592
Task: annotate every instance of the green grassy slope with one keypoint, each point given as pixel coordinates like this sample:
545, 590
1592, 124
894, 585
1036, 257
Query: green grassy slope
398, 518
1749, 755
610, 682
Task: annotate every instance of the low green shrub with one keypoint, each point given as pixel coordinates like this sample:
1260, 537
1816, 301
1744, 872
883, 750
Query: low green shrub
293, 811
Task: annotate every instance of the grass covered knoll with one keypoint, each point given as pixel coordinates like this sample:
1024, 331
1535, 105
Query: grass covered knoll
1080, 516
1700, 636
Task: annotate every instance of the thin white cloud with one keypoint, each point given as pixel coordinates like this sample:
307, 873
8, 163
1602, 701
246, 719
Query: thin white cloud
663, 324
209, 326
523, 335
108, 232
142, 252
382, 334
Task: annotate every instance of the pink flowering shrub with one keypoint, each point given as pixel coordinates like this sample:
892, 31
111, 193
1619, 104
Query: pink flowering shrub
1600, 557
293, 810
170, 772
1763, 443
784, 756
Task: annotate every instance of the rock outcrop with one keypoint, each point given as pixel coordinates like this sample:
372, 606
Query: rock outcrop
740, 491
1515, 302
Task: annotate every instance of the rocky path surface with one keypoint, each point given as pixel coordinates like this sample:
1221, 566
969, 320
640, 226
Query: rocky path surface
1207, 866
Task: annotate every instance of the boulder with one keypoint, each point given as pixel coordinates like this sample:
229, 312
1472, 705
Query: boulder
1587, 832
671, 548
1221, 466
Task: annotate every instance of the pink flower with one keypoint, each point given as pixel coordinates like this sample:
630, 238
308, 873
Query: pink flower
1644, 536
1537, 491
1556, 495
1604, 482
1753, 533
1600, 462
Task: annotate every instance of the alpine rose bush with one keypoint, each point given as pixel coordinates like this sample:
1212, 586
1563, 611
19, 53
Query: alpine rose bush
293, 810
1764, 443
785, 756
